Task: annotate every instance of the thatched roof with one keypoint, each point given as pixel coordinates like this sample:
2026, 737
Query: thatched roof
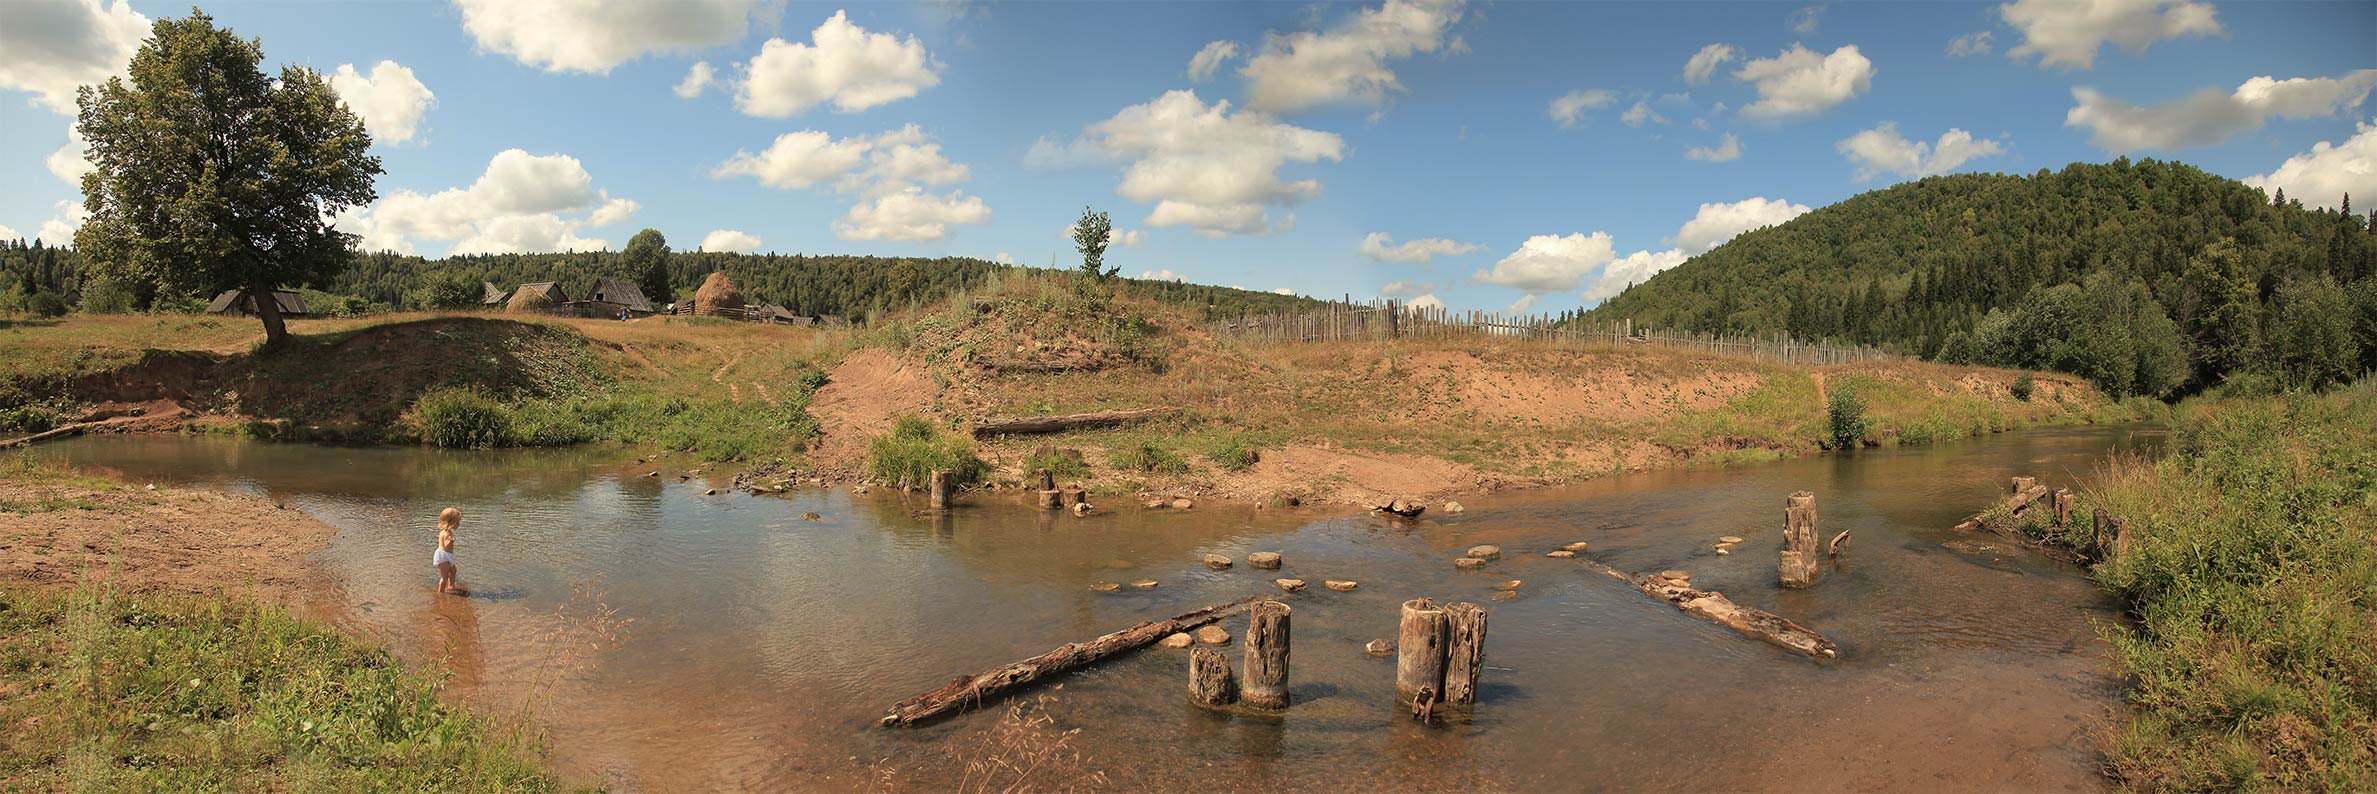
611, 290
236, 301
717, 294
541, 296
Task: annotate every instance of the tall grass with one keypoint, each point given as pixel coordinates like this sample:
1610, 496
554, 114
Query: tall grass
907, 456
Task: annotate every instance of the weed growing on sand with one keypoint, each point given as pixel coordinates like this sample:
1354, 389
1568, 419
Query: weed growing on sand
908, 455
1234, 453
1057, 463
1146, 456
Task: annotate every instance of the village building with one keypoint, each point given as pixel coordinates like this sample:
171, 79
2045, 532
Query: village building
614, 299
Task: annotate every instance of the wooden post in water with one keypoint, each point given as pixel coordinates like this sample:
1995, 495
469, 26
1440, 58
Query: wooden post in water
1797, 564
1266, 655
943, 485
1210, 680
1419, 649
1052, 499
1046, 479
1465, 657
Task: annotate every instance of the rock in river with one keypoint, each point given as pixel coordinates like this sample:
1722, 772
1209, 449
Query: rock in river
1341, 585
1380, 648
1560, 554
1213, 635
1106, 587
1267, 560
1486, 552
1217, 562
1290, 585
1578, 547
1468, 563
1179, 639
1143, 583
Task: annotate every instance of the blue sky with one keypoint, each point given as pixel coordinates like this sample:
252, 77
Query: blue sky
1535, 156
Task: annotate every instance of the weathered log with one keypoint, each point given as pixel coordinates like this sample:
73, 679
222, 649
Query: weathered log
1266, 684
1717, 608
2012, 505
1839, 544
1465, 654
1064, 422
969, 691
56, 432
1796, 565
1052, 499
1419, 646
1210, 680
943, 486
2020, 484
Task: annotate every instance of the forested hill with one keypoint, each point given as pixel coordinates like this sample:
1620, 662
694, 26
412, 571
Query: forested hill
2148, 277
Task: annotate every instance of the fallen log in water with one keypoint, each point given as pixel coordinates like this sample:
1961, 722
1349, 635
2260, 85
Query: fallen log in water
2026, 493
1716, 607
1062, 423
969, 691
69, 430
2012, 505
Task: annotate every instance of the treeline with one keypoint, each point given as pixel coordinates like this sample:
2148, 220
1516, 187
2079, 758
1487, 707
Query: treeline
2149, 278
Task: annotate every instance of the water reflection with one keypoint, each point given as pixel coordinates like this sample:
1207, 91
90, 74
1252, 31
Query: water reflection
763, 644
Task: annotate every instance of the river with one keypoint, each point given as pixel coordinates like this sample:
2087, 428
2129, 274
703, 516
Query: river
669, 640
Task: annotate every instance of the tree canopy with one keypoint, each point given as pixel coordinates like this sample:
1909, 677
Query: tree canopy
1090, 237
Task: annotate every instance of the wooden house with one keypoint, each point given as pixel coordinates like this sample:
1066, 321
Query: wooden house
615, 299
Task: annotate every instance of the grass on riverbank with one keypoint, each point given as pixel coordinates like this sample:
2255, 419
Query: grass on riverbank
101, 690
2252, 575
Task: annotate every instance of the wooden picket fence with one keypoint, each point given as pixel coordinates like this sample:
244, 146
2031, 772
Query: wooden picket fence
1387, 319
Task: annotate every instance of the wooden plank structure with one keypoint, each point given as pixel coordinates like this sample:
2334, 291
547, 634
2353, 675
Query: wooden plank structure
1346, 320
965, 692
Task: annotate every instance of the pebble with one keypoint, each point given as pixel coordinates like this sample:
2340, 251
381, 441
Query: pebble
1468, 563
1509, 585
1143, 584
1561, 554
1722, 552
1341, 585
1578, 547
1179, 639
1106, 587
1379, 648
1452, 507
1729, 539
1486, 552
711, 492
811, 517
1267, 560
1213, 635
1217, 562
1183, 504
1290, 585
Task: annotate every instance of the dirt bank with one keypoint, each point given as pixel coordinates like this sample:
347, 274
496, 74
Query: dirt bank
60, 529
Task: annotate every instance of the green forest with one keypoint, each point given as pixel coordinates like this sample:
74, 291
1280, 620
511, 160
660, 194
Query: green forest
2149, 278
49, 281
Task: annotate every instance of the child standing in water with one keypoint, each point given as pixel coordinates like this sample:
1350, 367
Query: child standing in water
448, 520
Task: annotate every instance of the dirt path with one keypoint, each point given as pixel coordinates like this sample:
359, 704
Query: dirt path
860, 399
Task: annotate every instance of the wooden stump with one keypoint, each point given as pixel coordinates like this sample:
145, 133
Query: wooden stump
2120, 527
1266, 684
943, 485
1046, 479
1051, 499
2021, 484
1210, 680
1073, 496
2063, 509
1796, 566
1419, 662
1465, 656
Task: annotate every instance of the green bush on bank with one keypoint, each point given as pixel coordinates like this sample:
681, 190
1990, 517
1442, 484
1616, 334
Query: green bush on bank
908, 455
711, 430
1844, 417
116, 692
464, 419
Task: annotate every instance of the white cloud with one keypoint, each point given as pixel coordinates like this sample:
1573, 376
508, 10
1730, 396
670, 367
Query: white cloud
67, 163
2067, 33
1971, 44
733, 241
1716, 223
1423, 303
2322, 176
390, 100
8, 233
1706, 61
1569, 109
1798, 82
516, 206
58, 231
697, 79
2211, 116
1160, 275
1381, 248
1728, 150
1803, 21
1212, 57
1635, 268
1003, 258
889, 172
1641, 112
1348, 63
1550, 263
1120, 238
1521, 305
1882, 150
1282, 291
51, 47
842, 63
592, 36
1405, 289
1206, 168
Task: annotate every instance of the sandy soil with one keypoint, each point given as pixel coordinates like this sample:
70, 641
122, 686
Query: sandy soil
169, 539
859, 401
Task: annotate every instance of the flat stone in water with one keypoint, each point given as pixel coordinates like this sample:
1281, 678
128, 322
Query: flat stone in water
1217, 562
1213, 635
1468, 563
1290, 585
1560, 554
1179, 639
1578, 547
1268, 560
1106, 587
1379, 648
1143, 583
1341, 585
1729, 539
1486, 552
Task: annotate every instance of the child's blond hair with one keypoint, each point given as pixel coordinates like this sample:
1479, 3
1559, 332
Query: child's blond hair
449, 519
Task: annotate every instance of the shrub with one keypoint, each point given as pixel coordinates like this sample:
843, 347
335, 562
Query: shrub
1235, 454
1148, 457
908, 455
1845, 414
2024, 386
463, 419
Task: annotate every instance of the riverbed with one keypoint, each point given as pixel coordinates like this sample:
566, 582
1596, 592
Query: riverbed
671, 640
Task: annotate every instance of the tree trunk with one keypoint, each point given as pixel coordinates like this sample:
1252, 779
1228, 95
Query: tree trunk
968, 691
268, 309
1059, 424
1419, 647
1466, 656
1266, 685
1210, 681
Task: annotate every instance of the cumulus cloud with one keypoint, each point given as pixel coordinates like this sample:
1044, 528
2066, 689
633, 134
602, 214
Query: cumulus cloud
1728, 150
1799, 83
1882, 150
59, 229
732, 241
1133, 238
1971, 44
888, 172
1423, 303
697, 79
1521, 305
1550, 262
390, 99
1714, 224
1634, 268
8, 233
1347, 64
51, 47
842, 63
2322, 176
1381, 248
1202, 65
592, 36
2067, 33
2212, 115
1406, 289
68, 162
1205, 167
1641, 112
1706, 61
1569, 109
1160, 275
1282, 291
517, 206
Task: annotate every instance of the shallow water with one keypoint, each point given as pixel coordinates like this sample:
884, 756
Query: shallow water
758, 648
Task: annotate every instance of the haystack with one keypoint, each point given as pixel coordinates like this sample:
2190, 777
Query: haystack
529, 301
718, 297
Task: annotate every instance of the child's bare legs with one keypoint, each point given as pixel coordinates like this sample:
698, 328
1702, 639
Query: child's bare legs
445, 578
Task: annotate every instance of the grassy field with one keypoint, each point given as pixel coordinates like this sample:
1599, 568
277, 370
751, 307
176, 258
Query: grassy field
109, 691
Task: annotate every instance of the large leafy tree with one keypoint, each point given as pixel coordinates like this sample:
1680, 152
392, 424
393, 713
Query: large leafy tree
209, 175
647, 256
1089, 236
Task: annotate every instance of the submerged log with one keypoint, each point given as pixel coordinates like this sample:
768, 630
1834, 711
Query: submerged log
1064, 422
1419, 648
1266, 684
1465, 656
57, 432
1210, 680
969, 691
2012, 508
1716, 607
